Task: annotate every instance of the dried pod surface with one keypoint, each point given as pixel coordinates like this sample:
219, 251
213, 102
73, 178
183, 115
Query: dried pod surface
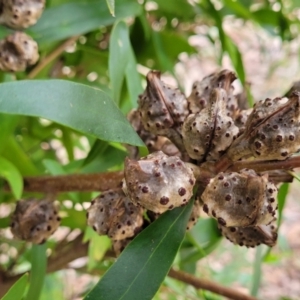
120, 245
240, 199
113, 214
272, 130
240, 119
158, 182
251, 236
162, 108
202, 89
19, 14
34, 220
207, 134
17, 52
152, 141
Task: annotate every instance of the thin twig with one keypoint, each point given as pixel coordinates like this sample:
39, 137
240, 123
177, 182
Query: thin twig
263, 166
209, 286
112, 180
52, 56
73, 182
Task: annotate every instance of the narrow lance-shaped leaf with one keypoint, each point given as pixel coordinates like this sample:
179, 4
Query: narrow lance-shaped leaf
111, 6
256, 276
133, 79
17, 291
119, 55
143, 265
78, 17
282, 194
12, 175
38, 271
7, 125
83, 108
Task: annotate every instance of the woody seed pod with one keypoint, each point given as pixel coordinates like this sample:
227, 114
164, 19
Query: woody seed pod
240, 199
17, 52
251, 236
158, 182
202, 89
207, 134
34, 220
112, 213
271, 131
20, 14
162, 109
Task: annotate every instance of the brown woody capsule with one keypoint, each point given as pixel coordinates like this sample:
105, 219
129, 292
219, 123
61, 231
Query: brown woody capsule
162, 109
240, 119
113, 214
34, 220
251, 236
202, 89
19, 14
17, 52
271, 131
120, 245
240, 199
158, 182
152, 141
207, 134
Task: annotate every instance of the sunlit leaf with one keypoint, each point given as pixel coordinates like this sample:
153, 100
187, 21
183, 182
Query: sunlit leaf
86, 109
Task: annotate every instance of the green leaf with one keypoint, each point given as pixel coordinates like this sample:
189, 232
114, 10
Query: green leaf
14, 152
13, 176
133, 78
7, 125
239, 9
163, 58
119, 55
282, 193
143, 265
111, 6
98, 245
17, 291
204, 237
74, 219
38, 271
97, 149
256, 277
227, 44
86, 109
78, 17
4, 222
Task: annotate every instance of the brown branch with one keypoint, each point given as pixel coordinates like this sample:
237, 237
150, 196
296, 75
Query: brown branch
112, 180
263, 166
74, 182
52, 56
209, 286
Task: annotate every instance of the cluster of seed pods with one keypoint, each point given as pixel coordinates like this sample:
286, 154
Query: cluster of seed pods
188, 136
18, 50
